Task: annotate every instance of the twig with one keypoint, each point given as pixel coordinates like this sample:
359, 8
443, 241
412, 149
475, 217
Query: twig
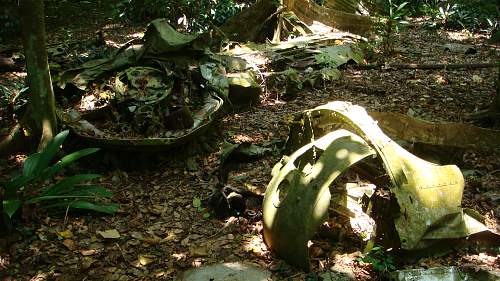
123, 253
66, 216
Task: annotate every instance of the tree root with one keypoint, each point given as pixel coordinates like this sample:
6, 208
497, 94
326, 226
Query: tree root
488, 117
397, 66
15, 141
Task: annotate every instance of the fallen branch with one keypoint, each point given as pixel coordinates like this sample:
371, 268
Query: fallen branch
445, 66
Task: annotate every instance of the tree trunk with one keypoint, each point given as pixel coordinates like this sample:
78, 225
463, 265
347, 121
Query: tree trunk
41, 118
254, 23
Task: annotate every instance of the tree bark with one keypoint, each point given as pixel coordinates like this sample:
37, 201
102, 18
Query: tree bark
42, 117
253, 23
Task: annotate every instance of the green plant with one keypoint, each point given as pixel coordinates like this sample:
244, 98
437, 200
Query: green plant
198, 206
391, 24
380, 259
472, 15
36, 183
185, 15
445, 12
4, 96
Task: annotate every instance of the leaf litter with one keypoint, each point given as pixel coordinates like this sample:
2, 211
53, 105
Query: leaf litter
162, 229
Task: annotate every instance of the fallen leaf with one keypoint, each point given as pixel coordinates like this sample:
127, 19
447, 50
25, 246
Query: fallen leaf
88, 252
137, 235
136, 221
70, 244
86, 263
145, 259
196, 202
109, 234
198, 251
65, 234
477, 78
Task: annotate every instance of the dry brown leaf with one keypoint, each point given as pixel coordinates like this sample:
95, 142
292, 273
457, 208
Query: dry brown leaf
198, 251
89, 252
109, 234
65, 234
86, 263
145, 259
70, 244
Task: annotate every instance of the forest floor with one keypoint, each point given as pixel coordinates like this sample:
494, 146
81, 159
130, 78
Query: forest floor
162, 233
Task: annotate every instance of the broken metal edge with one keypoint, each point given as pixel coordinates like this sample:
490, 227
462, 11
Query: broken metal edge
289, 223
429, 195
159, 144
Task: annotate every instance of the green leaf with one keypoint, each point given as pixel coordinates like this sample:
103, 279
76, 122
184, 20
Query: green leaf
196, 202
11, 206
40, 161
16, 183
108, 208
67, 184
93, 190
82, 193
401, 6
66, 161
31, 164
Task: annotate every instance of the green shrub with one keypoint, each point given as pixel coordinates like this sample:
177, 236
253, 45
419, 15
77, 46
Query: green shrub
36, 183
380, 259
390, 24
474, 15
188, 15
463, 14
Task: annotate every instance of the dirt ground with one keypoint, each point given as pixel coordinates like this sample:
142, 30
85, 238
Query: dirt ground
162, 233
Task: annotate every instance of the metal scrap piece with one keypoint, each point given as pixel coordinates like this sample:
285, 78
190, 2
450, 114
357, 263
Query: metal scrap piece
297, 198
429, 195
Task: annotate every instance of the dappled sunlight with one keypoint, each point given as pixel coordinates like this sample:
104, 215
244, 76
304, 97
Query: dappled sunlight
185, 206
342, 153
255, 244
463, 35
41, 276
20, 158
240, 138
4, 262
487, 259
312, 172
440, 79
136, 35
320, 28
179, 256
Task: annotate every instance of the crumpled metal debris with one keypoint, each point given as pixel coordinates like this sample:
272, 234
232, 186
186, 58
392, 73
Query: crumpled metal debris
202, 120
297, 198
445, 273
444, 134
166, 85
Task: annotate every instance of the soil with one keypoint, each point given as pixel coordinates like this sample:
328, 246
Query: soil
163, 231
